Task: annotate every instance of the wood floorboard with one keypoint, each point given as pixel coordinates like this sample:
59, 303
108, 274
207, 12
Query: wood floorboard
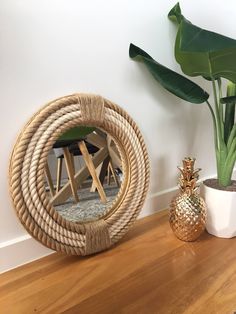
149, 271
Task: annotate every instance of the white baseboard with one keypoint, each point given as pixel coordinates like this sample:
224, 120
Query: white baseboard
25, 249
20, 251
161, 200
158, 201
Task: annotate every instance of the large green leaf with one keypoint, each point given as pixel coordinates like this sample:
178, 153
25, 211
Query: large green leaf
202, 52
175, 14
230, 102
170, 80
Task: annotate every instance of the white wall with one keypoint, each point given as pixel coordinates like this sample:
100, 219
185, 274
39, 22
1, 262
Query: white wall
51, 48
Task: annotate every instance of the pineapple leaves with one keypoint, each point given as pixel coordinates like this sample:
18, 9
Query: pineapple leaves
175, 83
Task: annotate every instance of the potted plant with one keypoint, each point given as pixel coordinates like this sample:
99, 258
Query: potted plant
212, 56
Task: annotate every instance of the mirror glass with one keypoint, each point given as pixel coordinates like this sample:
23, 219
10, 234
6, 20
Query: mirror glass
83, 174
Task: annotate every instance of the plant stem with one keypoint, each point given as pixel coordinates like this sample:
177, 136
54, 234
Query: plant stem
221, 151
214, 124
218, 120
225, 178
221, 114
231, 150
231, 137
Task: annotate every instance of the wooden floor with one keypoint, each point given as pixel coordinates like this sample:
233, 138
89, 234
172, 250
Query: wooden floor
150, 271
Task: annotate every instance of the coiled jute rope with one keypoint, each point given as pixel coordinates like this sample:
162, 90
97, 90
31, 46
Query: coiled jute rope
28, 161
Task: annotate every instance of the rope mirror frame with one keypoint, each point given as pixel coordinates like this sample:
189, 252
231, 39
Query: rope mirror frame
26, 174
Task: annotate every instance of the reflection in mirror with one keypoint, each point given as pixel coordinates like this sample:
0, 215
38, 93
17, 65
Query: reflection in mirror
83, 174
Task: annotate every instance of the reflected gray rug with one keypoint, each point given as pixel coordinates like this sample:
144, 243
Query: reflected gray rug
89, 207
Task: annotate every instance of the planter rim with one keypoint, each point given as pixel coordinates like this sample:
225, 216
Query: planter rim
219, 190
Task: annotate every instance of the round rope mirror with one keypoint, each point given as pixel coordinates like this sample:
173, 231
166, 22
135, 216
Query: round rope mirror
114, 144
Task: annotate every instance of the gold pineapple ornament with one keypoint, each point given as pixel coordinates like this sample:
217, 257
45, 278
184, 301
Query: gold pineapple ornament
188, 209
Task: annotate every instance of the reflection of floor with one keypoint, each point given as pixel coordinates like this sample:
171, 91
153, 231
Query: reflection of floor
89, 206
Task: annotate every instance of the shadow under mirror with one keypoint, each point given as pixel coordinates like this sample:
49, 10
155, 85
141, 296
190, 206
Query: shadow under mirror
83, 174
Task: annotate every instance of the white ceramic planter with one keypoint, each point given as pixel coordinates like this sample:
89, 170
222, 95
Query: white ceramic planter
221, 212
